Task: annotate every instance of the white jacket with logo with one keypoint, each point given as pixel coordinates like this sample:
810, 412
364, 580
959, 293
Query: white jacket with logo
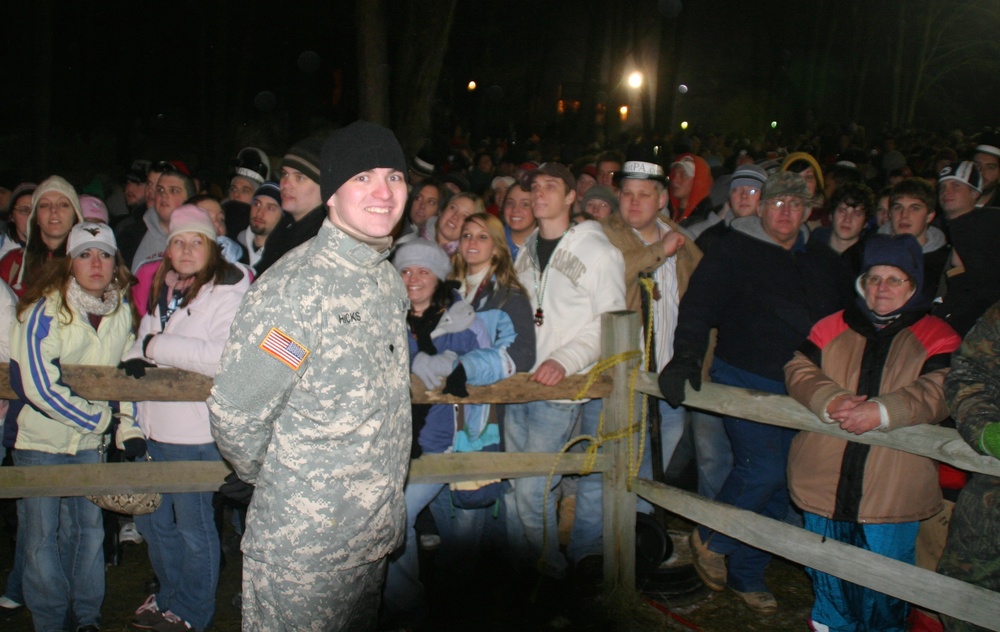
587, 279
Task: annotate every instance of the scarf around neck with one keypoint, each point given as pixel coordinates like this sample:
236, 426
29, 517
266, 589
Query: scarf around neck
84, 303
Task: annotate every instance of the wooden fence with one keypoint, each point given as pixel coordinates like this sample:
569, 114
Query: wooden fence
620, 335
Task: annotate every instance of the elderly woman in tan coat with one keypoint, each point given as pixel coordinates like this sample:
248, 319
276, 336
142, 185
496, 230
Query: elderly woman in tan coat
874, 367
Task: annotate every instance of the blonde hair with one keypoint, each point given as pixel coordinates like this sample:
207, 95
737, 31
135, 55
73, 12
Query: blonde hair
501, 264
56, 275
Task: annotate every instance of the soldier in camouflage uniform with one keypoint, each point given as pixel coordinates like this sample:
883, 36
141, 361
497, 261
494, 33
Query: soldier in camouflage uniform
973, 390
312, 404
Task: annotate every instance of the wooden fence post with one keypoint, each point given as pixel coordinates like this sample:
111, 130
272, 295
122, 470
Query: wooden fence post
619, 334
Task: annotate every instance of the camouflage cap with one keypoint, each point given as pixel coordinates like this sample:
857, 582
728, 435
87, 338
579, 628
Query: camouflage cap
785, 183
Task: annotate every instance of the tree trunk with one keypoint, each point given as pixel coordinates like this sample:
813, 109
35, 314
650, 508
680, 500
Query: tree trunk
897, 69
42, 39
594, 54
373, 67
418, 58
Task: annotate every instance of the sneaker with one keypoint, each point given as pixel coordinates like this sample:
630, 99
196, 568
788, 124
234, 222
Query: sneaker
172, 623
147, 616
9, 607
430, 541
129, 533
711, 566
762, 602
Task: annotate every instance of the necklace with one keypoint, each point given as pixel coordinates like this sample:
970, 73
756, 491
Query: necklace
540, 292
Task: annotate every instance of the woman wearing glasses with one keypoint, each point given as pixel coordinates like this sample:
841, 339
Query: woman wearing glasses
877, 366
16, 233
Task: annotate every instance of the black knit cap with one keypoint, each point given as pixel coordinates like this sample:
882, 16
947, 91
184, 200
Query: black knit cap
901, 251
304, 157
358, 147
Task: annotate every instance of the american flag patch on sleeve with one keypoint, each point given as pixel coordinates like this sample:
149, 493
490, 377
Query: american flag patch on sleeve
277, 344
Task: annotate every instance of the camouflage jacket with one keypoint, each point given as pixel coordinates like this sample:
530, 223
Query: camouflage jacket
973, 386
312, 405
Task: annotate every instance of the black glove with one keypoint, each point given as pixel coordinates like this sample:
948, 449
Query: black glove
236, 490
684, 367
135, 368
454, 384
134, 448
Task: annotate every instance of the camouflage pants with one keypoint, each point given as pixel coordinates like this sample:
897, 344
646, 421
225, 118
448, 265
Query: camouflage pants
973, 550
277, 599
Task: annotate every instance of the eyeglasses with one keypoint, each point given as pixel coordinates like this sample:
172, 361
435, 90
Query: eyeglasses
794, 204
873, 280
22, 210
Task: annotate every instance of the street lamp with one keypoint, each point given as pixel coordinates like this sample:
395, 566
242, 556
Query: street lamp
635, 79
471, 86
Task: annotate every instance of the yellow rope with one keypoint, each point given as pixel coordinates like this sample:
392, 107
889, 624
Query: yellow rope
634, 460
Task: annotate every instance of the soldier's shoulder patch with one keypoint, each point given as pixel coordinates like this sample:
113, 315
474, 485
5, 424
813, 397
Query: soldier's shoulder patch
278, 344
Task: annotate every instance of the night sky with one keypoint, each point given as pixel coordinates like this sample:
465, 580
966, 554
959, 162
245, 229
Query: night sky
198, 80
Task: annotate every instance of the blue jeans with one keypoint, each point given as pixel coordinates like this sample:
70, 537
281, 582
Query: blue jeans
847, 607
536, 427
461, 532
713, 452
588, 521
757, 481
15, 589
183, 542
63, 548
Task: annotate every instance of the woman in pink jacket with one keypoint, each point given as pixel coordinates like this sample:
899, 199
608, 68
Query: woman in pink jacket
194, 298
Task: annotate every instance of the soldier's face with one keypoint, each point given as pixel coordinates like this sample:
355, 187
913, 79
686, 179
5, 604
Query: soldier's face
370, 203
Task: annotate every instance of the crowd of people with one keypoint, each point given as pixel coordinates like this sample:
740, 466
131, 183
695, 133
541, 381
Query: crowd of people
311, 294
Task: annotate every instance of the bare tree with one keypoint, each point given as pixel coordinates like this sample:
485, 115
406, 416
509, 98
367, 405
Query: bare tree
419, 54
946, 37
373, 66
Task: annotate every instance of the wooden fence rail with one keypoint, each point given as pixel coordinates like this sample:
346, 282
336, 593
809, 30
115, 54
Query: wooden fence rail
905, 581
935, 442
202, 476
620, 333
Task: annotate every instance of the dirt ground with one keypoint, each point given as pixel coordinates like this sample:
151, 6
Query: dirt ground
496, 600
